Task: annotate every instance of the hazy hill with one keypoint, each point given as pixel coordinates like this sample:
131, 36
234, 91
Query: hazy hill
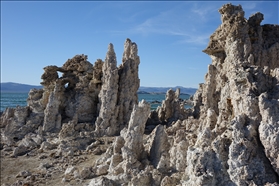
17, 87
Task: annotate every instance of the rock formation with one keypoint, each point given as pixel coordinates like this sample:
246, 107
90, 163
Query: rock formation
72, 111
115, 104
106, 122
228, 106
123, 160
229, 137
171, 110
85, 93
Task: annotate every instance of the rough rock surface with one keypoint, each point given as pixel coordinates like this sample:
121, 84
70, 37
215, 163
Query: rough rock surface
269, 127
106, 122
85, 93
115, 104
123, 159
229, 107
171, 110
159, 155
73, 110
229, 137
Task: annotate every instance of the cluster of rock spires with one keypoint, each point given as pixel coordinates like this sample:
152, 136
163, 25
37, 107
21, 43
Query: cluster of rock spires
229, 137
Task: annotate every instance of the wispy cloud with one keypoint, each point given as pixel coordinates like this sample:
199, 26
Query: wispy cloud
197, 39
204, 12
131, 18
95, 8
187, 22
249, 5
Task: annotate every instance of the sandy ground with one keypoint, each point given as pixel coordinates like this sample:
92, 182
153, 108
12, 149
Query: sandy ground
45, 168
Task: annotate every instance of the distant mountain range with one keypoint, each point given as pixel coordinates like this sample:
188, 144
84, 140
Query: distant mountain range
17, 87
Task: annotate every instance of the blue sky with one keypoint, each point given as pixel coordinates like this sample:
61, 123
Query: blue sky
170, 36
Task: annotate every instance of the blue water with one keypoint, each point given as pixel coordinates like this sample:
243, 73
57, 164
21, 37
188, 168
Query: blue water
158, 97
15, 99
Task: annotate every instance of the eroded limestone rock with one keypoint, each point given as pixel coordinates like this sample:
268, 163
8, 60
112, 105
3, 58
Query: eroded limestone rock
269, 127
159, 155
84, 93
106, 122
172, 109
231, 105
125, 157
115, 104
229, 137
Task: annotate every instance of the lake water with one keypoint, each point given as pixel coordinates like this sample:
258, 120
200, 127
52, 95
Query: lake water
15, 99
158, 97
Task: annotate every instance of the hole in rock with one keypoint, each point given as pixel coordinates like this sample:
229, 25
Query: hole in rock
59, 74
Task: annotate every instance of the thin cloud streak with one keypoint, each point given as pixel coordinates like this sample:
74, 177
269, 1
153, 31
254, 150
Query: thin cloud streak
249, 5
197, 39
204, 12
169, 23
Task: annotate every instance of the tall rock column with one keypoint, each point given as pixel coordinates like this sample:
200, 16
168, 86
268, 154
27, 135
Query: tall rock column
128, 82
106, 123
229, 109
133, 146
52, 119
119, 90
124, 160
